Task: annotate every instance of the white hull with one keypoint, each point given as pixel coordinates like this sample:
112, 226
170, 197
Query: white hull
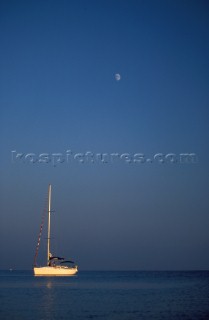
55, 271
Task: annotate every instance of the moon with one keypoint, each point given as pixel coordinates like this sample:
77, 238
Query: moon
117, 77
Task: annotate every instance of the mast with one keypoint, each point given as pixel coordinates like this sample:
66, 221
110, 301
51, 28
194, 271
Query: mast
49, 213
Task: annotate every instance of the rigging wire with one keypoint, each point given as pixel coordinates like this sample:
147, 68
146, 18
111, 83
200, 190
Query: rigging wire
40, 231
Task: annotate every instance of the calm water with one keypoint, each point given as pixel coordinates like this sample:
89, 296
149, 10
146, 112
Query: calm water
105, 295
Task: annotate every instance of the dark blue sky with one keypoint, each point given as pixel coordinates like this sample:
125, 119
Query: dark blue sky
58, 92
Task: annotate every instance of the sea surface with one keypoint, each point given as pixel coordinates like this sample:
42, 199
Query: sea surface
105, 295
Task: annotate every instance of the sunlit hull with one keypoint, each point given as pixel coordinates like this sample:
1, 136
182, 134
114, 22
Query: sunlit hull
55, 271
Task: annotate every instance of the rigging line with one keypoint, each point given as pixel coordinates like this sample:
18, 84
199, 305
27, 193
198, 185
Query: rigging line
40, 231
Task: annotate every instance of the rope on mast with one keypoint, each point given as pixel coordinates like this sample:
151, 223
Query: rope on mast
40, 232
